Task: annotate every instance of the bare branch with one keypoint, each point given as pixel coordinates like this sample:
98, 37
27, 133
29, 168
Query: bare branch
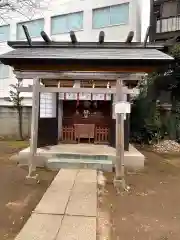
25, 8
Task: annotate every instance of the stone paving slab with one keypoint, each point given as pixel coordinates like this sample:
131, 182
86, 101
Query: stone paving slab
66, 175
56, 197
53, 203
67, 210
85, 175
83, 200
40, 227
65, 178
77, 228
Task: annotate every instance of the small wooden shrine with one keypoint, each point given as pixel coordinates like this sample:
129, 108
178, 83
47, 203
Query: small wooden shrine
82, 78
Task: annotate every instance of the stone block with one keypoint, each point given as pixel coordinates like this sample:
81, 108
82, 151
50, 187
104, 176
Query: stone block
57, 195
77, 228
83, 200
40, 227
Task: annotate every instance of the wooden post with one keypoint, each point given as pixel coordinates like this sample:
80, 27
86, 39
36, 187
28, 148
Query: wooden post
119, 165
34, 126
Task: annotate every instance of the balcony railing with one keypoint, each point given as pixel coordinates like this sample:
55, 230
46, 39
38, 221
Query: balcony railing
168, 24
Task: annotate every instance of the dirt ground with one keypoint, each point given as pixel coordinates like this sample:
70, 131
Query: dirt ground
17, 198
151, 210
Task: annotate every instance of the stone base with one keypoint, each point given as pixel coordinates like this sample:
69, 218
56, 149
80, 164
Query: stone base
120, 185
23, 157
31, 180
52, 158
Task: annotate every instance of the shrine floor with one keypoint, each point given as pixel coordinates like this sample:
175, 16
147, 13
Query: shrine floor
100, 157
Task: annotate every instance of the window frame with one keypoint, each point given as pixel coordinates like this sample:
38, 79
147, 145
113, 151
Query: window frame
24, 23
162, 6
63, 15
109, 17
6, 25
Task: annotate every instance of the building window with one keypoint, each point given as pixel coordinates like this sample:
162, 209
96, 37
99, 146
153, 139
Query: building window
112, 15
48, 105
4, 83
66, 23
4, 33
34, 27
169, 9
4, 71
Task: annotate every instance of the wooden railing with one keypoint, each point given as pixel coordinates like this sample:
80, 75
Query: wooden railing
101, 135
68, 135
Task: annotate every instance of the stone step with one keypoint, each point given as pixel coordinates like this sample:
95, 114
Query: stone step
57, 163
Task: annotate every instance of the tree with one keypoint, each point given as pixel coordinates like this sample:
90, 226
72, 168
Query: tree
146, 122
25, 8
16, 100
167, 79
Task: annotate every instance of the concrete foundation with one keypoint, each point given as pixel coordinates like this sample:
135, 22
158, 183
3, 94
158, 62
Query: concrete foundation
99, 157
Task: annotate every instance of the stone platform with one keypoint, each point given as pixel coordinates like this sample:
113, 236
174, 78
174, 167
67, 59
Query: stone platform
68, 209
99, 157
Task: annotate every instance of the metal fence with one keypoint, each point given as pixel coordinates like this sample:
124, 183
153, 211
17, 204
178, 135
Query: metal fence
168, 24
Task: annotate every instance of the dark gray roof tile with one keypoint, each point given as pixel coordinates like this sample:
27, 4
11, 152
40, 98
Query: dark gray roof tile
86, 53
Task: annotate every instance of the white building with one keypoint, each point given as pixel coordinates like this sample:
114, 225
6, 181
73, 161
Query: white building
86, 17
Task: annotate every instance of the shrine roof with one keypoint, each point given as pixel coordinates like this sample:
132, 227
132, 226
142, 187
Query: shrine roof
99, 53
113, 52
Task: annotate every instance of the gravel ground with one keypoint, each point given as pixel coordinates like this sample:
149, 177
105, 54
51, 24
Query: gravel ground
18, 198
149, 211
167, 146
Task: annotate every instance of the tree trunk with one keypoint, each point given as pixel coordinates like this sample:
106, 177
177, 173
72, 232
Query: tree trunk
20, 123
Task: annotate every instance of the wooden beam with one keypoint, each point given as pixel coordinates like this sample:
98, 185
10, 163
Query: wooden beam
73, 37
26, 32
119, 166
75, 90
101, 37
25, 74
34, 126
66, 76
130, 37
17, 44
45, 37
86, 67
146, 36
65, 90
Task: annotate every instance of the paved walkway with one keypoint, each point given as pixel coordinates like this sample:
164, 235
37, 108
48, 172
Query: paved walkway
67, 210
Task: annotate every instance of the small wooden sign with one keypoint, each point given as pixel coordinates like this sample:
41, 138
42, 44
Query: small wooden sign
122, 107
